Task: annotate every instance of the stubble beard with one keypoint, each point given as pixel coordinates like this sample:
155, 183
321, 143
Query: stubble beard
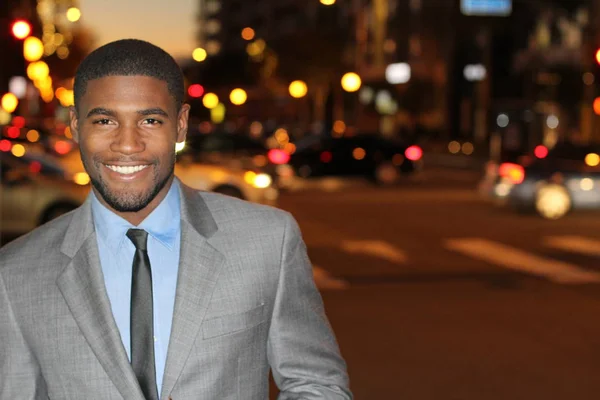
126, 201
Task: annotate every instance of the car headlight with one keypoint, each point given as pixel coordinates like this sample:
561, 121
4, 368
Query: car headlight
260, 181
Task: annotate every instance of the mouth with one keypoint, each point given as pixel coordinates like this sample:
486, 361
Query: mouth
126, 169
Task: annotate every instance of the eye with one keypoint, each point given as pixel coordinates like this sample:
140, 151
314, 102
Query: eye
152, 121
102, 121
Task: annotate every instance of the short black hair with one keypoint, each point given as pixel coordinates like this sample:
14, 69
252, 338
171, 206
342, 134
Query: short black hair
130, 57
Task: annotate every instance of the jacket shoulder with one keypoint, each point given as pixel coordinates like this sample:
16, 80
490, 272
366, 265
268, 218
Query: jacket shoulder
36, 244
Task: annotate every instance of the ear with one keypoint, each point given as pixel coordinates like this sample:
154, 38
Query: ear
74, 124
182, 122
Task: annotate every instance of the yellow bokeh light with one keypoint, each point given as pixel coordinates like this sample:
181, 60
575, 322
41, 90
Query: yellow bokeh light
351, 82
18, 150
33, 49
358, 153
199, 54
217, 113
4, 117
327, 2
256, 48
282, 136
37, 70
66, 97
210, 100
249, 177
62, 52
9, 102
68, 133
73, 14
592, 159
238, 96
81, 178
179, 146
33, 135
248, 33
298, 89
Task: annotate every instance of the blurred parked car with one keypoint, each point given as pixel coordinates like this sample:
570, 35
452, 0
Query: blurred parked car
243, 184
550, 183
34, 191
237, 151
382, 160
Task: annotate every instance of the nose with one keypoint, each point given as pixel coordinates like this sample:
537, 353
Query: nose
128, 141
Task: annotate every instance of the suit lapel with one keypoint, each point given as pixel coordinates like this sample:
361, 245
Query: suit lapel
82, 285
199, 267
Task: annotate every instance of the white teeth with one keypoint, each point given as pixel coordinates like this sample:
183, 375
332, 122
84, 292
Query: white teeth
126, 170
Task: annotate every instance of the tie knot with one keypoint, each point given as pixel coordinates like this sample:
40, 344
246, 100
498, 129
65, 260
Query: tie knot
139, 237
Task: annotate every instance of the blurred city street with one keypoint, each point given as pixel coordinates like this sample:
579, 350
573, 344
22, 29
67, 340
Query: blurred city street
442, 158
420, 316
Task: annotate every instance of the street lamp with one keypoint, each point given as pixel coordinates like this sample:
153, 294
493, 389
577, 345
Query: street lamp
351, 82
298, 89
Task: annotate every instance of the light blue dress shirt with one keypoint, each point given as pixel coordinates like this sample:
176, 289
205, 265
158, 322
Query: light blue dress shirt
116, 257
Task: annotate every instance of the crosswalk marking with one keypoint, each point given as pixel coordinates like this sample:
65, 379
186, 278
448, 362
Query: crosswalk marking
512, 258
376, 248
575, 244
326, 281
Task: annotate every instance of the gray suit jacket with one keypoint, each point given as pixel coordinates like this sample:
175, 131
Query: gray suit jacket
245, 302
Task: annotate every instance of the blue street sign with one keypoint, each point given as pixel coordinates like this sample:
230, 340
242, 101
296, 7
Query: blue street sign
498, 8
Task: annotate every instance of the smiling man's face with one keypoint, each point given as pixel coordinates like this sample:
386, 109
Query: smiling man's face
127, 127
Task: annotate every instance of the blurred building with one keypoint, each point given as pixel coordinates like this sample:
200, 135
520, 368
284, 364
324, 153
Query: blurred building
431, 70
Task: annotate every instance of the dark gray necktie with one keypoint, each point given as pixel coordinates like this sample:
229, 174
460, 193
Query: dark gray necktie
142, 328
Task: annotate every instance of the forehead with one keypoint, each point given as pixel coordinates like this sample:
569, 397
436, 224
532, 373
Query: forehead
123, 91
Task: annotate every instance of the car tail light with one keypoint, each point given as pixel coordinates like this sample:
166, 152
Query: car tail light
277, 156
514, 173
413, 153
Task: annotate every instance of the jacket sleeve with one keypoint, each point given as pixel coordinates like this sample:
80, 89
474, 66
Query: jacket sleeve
20, 376
302, 349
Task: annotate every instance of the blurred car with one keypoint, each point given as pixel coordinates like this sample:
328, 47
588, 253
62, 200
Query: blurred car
380, 159
550, 183
244, 184
237, 151
34, 191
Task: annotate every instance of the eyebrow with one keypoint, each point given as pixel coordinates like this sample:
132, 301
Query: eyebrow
111, 113
100, 111
153, 111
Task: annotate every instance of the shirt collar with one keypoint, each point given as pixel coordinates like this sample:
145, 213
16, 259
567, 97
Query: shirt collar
163, 223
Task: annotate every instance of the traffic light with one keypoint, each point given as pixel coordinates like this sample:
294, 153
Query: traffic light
21, 29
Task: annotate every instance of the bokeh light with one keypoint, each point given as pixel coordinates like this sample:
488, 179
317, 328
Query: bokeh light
210, 100
9, 102
298, 89
351, 82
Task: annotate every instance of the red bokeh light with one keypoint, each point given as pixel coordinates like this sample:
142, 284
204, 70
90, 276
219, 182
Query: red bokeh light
18, 121
62, 147
5, 145
540, 151
326, 156
196, 90
413, 153
13, 132
35, 167
277, 156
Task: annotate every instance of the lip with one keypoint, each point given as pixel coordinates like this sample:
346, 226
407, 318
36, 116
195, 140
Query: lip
114, 175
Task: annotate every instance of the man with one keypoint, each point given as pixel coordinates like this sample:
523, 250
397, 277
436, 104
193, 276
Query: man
151, 288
